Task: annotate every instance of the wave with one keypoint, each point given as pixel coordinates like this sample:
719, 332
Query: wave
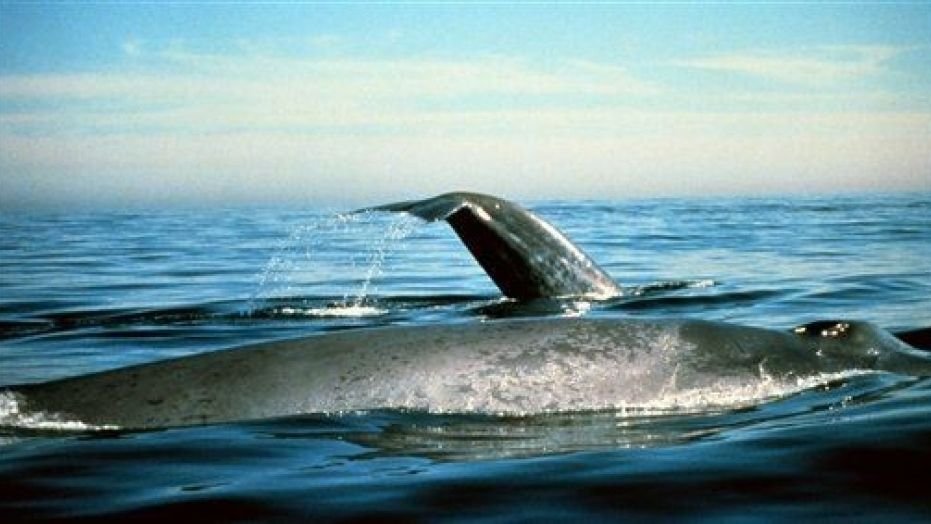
219, 312
662, 302
13, 415
657, 295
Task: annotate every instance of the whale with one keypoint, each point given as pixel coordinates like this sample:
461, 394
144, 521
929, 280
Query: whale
513, 366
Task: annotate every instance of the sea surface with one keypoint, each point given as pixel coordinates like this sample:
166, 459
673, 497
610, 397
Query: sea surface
83, 292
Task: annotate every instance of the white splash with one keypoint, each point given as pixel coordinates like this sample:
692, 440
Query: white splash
401, 227
732, 394
576, 309
347, 311
723, 395
13, 415
671, 285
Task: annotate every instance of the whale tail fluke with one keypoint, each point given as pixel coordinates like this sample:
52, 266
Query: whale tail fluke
431, 209
524, 255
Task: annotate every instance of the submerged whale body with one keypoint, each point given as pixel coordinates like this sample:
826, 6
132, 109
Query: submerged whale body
512, 366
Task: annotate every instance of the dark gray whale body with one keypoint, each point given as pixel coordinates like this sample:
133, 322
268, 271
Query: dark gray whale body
514, 366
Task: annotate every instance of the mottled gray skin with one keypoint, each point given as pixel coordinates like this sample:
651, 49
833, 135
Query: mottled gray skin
523, 254
514, 366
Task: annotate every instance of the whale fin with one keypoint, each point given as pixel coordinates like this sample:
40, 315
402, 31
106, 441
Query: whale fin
523, 254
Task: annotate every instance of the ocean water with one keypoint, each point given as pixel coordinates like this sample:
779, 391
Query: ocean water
83, 292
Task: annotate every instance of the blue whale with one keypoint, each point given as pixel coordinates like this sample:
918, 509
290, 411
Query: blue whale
509, 366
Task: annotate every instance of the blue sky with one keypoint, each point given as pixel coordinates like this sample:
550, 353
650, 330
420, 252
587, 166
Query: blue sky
119, 104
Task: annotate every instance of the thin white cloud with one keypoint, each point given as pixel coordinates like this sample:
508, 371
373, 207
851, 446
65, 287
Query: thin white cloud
423, 77
817, 66
345, 78
210, 92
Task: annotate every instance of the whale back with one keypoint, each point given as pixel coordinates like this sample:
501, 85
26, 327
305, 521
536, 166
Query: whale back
523, 254
853, 344
505, 367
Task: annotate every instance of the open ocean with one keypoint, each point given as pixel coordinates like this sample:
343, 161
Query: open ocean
83, 292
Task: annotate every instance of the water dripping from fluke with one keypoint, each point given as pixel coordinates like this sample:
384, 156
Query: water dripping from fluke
299, 268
